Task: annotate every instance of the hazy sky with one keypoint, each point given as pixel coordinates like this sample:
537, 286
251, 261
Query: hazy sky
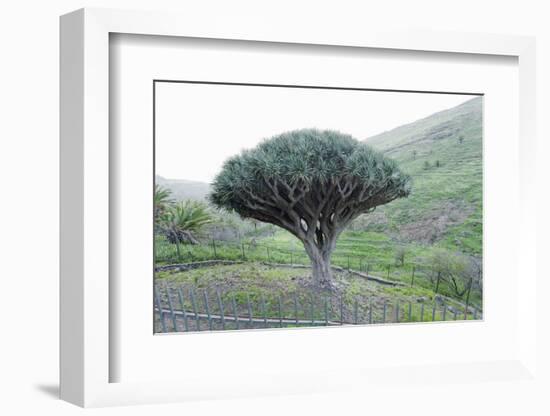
199, 126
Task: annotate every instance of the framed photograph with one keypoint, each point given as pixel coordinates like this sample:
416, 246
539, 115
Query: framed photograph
294, 222
334, 203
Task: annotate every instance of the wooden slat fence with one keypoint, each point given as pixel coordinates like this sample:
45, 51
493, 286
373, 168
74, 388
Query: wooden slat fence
178, 309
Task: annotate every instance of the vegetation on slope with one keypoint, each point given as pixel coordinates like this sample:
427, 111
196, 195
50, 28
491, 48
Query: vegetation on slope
443, 155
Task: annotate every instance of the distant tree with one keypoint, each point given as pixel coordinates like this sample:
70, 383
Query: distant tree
460, 139
438, 263
183, 221
459, 274
437, 163
414, 154
476, 271
426, 165
311, 183
400, 253
453, 268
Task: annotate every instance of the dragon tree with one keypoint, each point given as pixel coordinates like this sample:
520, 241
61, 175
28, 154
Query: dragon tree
311, 183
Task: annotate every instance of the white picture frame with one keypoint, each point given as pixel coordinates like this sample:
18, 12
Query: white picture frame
85, 211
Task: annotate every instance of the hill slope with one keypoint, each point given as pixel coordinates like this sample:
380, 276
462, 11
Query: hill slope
184, 189
443, 154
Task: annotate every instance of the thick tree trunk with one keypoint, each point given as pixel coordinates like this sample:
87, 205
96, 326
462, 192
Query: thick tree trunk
322, 272
320, 265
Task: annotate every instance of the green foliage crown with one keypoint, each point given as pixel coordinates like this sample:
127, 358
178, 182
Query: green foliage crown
310, 156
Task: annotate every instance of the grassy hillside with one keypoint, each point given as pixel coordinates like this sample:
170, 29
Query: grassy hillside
443, 154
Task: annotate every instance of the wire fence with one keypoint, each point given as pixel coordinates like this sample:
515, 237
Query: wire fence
191, 309
409, 273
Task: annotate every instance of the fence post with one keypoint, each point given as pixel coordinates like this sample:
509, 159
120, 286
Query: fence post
389, 267
341, 310
367, 273
220, 305
296, 307
355, 311
159, 306
264, 311
214, 247
468, 299
475, 313
194, 305
412, 277
410, 312
454, 315
242, 248
207, 309
182, 303
249, 310
312, 310
397, 312
370, 311
437, 284
433, 313
444, 312
422, 313
280, 312
172, 314
326, 311
235, 311
384, 312
349, 267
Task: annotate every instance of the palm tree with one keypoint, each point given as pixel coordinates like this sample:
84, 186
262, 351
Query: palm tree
163, 202
184, 220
